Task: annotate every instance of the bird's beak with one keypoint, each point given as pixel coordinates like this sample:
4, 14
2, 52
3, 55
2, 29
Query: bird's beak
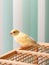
10, 33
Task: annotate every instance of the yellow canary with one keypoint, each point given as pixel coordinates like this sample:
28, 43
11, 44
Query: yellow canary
22, 38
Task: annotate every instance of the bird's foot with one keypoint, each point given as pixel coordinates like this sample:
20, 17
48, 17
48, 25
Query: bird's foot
22, 47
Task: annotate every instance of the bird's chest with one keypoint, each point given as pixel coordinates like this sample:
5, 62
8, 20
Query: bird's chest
21, 39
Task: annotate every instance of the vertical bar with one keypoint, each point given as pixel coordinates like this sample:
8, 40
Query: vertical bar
1, 26
41, 20
17, 18
34, 19
46, 20
7, 25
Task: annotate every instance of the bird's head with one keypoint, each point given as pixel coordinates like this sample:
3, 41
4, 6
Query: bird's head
14, 32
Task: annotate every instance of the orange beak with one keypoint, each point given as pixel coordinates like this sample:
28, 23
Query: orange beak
11, 33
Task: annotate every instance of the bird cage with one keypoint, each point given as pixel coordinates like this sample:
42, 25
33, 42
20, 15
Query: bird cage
22, 57
40, 47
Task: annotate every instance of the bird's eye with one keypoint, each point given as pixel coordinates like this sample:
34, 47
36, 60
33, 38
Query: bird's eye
14, 32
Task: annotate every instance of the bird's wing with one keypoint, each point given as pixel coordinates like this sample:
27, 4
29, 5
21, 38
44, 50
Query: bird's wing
26, 39
30, 40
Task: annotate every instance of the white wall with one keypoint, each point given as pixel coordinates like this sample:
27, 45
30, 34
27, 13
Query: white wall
1, 21
17, 17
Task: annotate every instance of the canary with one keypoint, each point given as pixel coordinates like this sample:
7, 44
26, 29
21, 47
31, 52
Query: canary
22, 38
